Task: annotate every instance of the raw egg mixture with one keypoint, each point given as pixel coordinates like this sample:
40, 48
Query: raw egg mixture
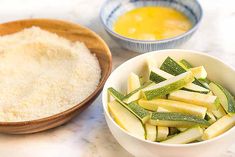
152, 23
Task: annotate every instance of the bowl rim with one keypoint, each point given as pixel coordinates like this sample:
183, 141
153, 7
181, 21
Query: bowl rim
190, 31
107, 114
87, 99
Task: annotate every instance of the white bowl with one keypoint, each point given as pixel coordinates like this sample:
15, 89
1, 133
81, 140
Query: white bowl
217, 71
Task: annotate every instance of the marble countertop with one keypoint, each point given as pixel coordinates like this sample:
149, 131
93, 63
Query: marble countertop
87, 135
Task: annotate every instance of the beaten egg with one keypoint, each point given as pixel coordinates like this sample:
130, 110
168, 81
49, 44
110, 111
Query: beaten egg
152, 23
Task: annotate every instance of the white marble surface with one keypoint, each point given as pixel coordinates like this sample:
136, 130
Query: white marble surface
87, 135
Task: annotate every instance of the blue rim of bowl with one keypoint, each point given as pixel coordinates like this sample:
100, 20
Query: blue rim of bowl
193, 29
105, 108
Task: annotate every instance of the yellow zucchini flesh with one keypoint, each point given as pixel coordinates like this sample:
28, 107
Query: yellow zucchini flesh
225, 97
165, 87
199, 72
162, 131
219, 127
186, 136
151, 132
205, 100
151, 64
126, 119
210, 117
133, 107
135, 94
157, 75
173, 106
220, 112
182, 129
133, 82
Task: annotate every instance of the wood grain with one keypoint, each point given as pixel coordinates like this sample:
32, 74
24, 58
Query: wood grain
73, 32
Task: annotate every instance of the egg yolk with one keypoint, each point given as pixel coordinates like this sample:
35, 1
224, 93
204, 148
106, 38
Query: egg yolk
152, 23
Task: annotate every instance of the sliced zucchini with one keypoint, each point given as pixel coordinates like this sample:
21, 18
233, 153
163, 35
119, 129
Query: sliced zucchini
219, 112
225, 98
210, 93
185, 68
133, 82
182, 129
185, 137
173, 131
173, 106
167, 86
173, 119
204, 82
196, 88
219, 127
151, 132
210, 117
185, 64
141, 113
117, 95
161, 109
199, 139
162, 133
172, 67
199, 72
148, 105
151, 106
205, 100
134, 108
158, 76
151, 63
126, 119
136, 94
133, 97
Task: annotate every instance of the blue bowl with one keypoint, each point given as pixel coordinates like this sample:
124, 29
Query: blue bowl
112, 9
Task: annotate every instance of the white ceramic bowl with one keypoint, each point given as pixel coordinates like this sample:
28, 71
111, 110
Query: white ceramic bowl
217, 71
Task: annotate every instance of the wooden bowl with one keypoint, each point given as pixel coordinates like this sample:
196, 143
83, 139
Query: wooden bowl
73, 32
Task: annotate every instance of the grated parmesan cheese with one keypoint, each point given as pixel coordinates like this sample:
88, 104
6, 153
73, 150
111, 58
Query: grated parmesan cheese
42, 74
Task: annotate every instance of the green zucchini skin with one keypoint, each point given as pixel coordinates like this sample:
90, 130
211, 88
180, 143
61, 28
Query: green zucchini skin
205, 81
138, 110
190, 135
155, 77
231, 101
230, 98
172, 67
186, 64
207, 117
197, 82
134, 108
164, 90
138, 89
117, 95
174, 116
194, 91
173, 131
126, 120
